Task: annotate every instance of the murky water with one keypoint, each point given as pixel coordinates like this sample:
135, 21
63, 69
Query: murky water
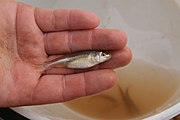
142, 88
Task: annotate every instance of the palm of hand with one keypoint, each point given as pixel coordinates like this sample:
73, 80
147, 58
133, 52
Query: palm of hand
23, 53
28, 46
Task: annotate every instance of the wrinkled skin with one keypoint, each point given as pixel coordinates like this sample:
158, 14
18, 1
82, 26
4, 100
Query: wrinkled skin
31, 36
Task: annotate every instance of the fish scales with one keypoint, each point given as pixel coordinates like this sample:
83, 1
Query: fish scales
79, 60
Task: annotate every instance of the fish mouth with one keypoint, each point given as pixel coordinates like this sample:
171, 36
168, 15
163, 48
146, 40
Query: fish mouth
108, 56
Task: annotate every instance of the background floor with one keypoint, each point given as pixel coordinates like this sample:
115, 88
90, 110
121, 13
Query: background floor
8, 114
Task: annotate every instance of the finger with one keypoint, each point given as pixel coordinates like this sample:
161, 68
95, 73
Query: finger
119, 59
57, 20
98, 39
58, 88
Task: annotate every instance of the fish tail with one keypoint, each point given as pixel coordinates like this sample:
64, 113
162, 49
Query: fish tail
55, 64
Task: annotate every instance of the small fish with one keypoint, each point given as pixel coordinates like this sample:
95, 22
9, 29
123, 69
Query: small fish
130, 105
79, 60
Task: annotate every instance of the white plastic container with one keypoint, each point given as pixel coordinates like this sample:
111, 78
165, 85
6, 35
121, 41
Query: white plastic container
153, 29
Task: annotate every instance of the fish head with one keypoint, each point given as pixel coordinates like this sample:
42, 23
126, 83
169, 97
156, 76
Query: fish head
101, 57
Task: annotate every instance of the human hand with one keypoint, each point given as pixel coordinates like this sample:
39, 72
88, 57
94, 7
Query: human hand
31, 36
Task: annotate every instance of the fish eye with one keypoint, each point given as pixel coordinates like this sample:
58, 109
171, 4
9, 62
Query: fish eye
103, 54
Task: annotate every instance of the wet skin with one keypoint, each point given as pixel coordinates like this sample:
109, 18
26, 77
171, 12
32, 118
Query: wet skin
31, 36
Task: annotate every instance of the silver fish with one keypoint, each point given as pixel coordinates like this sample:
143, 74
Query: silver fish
79, 60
